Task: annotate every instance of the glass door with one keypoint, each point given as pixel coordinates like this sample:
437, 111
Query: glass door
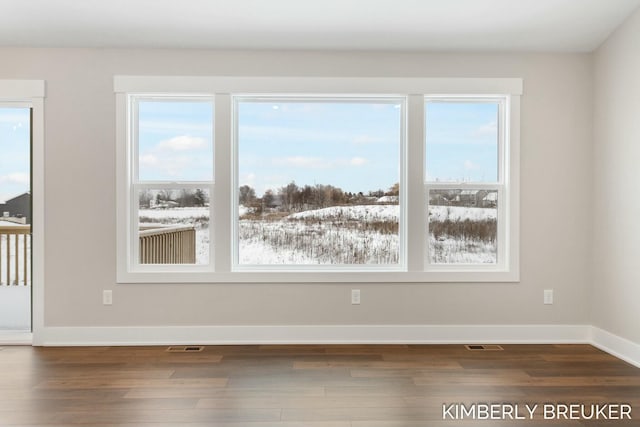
15, 218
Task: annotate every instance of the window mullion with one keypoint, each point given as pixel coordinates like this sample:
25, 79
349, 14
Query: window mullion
414, 195
222, 202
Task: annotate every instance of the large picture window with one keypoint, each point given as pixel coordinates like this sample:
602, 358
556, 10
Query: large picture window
317, 179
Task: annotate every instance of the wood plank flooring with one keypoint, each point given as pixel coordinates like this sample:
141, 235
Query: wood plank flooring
307, 386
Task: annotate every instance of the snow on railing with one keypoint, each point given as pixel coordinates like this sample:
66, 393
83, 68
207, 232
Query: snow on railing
161, 244
15, 254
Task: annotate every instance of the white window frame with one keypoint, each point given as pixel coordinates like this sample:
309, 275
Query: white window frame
223, 199
501, 186
401, 265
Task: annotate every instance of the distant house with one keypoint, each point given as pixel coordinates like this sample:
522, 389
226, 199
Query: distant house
490, 200
468, 197
18, 207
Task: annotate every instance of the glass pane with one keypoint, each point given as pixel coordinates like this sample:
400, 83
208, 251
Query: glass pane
462, 141
319, 182
175, 140
463, 226
15, 219
174, 226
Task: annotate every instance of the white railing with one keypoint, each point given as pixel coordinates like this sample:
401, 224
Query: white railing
175, 244
15, 255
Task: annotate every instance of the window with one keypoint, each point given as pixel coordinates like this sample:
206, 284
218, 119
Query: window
465, 182
319, 182
317, 179
171, 154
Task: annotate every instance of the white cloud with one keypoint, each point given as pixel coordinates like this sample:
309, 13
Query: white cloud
490, 128
248, 179
366, 139
303, 162
15, 178
15, 119
470, 166
287, 134
318, 162
148, 160
183, 143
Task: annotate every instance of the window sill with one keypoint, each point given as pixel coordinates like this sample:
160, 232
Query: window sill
302, 277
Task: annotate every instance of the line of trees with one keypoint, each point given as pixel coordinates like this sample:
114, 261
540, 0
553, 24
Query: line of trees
294, 198
184, 198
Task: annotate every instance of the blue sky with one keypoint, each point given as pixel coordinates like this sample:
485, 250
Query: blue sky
175, 140
14, 152
354, 145
462, 141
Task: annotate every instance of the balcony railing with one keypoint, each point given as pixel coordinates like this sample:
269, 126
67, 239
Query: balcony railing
174, 244
15, 255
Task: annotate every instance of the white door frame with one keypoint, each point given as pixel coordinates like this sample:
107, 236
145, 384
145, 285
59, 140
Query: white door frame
31, 93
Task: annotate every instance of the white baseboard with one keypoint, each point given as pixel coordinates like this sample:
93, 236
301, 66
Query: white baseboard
8, 337
314, 334
332, 334
619, 347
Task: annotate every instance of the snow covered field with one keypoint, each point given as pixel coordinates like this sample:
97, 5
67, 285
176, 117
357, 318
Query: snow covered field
316, 242
360, 235
462, 235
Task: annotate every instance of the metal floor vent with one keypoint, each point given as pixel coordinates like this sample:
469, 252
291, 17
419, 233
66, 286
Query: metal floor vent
185, 349
491, 347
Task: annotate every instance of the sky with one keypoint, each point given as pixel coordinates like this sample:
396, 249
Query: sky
350, 144
461, 141
14, 152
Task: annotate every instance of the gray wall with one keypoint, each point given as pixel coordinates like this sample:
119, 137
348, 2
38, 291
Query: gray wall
556, 195
616, 284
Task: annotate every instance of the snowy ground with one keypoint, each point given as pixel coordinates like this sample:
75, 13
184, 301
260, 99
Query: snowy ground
460, 213
15, 308
336, 235
300, 242
447, 249
15, 301
366, 213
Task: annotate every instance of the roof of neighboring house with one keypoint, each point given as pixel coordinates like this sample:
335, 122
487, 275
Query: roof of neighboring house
28, 194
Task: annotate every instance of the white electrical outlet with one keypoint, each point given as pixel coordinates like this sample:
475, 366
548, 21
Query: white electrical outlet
355, 296
107, 297
548, 296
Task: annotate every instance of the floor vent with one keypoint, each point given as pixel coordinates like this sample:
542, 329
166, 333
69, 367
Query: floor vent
491, 347
185, 349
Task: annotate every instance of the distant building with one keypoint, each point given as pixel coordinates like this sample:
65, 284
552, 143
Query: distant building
18, 207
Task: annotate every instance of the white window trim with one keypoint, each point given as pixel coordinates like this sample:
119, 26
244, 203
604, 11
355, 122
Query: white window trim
415, 89
401, 266
136, 184
500, 185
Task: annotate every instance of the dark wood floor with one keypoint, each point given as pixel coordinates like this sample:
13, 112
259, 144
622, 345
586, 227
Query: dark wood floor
310, 386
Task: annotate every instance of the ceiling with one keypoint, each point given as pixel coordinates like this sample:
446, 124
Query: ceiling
383, 25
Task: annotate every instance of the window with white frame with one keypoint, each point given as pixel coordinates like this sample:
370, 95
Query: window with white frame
317, 179
318, 182
465, 181
171, 181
